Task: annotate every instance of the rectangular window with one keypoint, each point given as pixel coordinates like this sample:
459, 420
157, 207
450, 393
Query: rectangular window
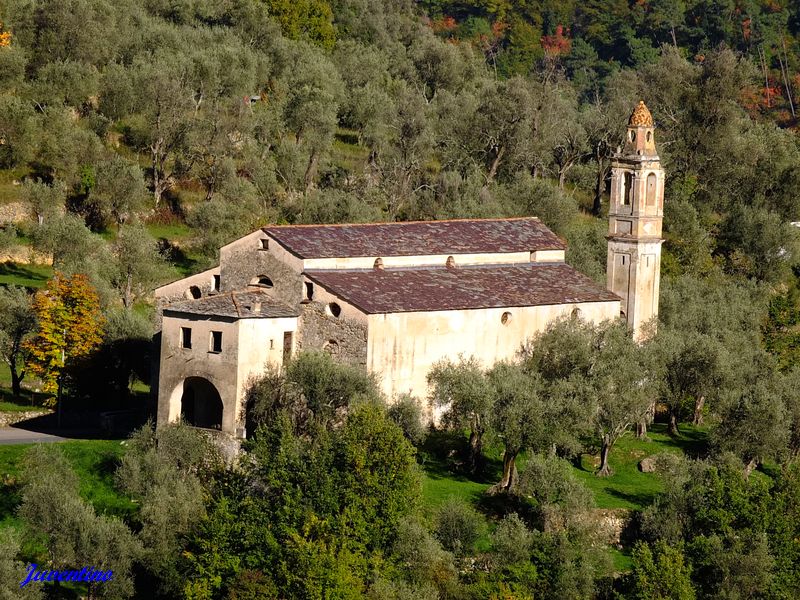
215, 284
287, 346
216, 342
186, 337
263, 244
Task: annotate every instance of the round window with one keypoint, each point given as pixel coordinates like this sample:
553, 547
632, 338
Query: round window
505, 319
333, 310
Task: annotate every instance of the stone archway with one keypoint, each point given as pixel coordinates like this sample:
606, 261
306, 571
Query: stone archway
201, 404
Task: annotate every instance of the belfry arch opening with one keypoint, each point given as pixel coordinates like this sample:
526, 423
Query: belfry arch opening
201, 404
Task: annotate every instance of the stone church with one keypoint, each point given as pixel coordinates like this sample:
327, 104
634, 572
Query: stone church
397, 297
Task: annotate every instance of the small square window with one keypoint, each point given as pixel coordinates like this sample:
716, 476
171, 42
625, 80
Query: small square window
216, 342
216, 283
186, 337
263, 244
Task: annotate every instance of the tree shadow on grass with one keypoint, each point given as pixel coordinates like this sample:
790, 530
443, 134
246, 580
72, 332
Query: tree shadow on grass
21, 275
691, 441
28, 399
443, 456
10, 498
638, 499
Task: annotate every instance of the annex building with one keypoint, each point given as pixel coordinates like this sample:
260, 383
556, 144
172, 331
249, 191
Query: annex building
397, 297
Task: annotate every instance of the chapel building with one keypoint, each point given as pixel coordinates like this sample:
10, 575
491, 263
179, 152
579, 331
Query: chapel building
397, 297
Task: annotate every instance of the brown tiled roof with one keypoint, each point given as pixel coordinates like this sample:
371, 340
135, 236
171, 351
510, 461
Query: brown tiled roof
428, 289
476, 236
237, 305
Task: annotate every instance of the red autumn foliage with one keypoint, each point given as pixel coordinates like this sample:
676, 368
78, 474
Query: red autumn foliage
557, 44
444, 25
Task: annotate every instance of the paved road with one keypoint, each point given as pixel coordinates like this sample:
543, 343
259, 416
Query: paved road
13, 435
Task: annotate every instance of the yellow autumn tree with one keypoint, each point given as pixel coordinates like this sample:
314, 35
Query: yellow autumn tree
5, 36
70, 327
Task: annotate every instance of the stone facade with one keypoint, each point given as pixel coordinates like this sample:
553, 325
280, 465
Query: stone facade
217, 376
244, 261
343, 338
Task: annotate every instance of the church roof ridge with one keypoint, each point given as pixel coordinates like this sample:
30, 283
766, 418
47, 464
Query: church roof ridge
461, 288
266, 228
417, 238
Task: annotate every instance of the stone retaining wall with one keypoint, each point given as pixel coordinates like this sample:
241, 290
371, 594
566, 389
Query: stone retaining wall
14, 212
8, 418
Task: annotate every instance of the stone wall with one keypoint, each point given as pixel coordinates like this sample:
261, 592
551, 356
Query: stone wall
241, 265
14, 212
12, 417
182, 288
25, 255
345, 339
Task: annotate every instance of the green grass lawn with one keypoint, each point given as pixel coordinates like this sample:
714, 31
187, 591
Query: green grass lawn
29, 398
10, 404
172, 232
628, 487
30, 276
346, 153
8, 191
94, 462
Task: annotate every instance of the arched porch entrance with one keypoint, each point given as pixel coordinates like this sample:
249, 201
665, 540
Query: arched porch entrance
201, 404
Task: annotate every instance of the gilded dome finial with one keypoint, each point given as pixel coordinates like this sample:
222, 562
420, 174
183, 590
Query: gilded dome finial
641, 117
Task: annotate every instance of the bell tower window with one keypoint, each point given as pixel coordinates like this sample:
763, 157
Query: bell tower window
651, 189
627, 189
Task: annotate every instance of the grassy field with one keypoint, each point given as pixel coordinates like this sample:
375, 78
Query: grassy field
94, 462
29, 398
30, 276
628, 488
174, 232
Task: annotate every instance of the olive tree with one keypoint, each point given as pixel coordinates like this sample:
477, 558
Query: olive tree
17, 321
463, 390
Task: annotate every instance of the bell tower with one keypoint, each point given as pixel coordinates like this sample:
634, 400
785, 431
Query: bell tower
636, 210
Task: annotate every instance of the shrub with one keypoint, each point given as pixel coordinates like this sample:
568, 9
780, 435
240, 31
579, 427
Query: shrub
458, 526
511, 541
407, 414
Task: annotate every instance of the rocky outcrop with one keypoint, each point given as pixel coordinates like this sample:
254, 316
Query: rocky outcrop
14, 212
649, 464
